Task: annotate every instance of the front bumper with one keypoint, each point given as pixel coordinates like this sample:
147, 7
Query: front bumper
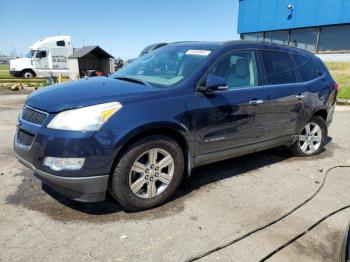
15, 73
84, 189
89, 184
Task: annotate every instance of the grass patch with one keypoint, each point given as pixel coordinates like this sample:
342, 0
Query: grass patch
5, 74
23, 80
340, 72
4, 67
337, 65
344, 93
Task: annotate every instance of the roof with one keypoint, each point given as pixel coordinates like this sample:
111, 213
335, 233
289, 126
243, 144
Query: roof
94, 50
50, 42
240, 44
198, 44
152, 47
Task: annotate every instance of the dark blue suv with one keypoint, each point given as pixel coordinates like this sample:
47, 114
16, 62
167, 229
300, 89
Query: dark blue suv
139, 131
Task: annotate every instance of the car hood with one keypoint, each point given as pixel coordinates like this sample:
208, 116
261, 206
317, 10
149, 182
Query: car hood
86, 92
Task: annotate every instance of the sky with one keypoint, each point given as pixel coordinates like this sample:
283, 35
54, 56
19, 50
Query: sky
121, 27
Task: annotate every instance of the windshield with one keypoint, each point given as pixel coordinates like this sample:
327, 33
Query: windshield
164, 67
30, 54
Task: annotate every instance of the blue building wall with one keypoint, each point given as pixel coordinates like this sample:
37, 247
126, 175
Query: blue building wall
268, 15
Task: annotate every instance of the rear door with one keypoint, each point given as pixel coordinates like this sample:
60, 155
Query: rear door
284, 98
227, 121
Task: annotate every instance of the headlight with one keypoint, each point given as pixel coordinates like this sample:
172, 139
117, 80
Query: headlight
89, 118
58, 164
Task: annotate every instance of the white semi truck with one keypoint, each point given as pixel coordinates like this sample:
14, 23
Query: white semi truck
46, 57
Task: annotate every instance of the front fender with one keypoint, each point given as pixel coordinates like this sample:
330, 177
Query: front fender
174, 130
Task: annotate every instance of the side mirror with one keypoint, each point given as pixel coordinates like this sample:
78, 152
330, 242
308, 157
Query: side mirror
214, 83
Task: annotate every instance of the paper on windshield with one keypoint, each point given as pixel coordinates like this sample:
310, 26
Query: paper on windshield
198, 52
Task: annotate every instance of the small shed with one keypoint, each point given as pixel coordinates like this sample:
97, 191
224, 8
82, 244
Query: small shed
90, 58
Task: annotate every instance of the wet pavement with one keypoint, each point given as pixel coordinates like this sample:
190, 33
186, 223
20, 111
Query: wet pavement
218, 203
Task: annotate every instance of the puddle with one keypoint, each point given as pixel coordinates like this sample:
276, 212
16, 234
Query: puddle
29, 193
328, 152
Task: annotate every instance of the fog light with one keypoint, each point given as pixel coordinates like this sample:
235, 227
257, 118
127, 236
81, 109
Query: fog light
58, 164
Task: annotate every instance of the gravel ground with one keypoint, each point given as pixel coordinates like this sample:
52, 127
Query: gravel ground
7, 92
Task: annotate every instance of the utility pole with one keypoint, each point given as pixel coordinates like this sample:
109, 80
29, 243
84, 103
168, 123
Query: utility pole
13, 51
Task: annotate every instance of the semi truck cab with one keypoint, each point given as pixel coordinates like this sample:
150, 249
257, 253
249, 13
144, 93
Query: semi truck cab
46, 57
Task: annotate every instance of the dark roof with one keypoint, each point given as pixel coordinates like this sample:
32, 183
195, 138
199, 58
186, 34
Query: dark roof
260, 44
94, 50
198, 44
240, 43
152, 47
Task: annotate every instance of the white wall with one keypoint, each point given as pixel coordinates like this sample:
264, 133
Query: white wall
73, 67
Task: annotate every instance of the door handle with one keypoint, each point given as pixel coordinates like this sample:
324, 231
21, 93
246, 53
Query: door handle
256, 101
300, 96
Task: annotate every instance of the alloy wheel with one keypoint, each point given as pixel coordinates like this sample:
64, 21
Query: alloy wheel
151, 173
310, 138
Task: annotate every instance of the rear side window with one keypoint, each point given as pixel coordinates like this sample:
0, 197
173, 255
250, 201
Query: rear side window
278, 67
307, 68
60, 43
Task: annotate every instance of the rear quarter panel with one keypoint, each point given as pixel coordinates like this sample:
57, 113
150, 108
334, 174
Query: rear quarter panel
319, 95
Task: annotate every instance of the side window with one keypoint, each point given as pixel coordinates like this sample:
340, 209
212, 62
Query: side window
279, 67
306, 68
239, 69
60, 43
40, 54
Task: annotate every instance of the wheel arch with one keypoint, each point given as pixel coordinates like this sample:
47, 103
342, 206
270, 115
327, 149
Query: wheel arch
28, 69
322, 113
177, 133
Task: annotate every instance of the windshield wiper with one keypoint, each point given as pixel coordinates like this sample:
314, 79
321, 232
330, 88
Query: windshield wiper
131, 79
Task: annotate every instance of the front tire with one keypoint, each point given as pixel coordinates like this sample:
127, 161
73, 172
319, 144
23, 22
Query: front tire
148, 173
28, 74
312, 138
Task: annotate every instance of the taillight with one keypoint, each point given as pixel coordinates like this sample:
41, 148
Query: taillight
336, 86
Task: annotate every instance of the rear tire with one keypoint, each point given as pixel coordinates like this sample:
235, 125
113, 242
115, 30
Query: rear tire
148, 173
312, 138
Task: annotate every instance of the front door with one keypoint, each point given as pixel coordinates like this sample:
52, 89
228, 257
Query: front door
41, 59
227, 121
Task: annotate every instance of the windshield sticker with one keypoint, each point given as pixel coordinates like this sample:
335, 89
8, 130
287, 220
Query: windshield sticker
198, 52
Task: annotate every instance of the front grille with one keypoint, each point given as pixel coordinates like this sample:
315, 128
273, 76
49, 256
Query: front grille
25, 138
33, 116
